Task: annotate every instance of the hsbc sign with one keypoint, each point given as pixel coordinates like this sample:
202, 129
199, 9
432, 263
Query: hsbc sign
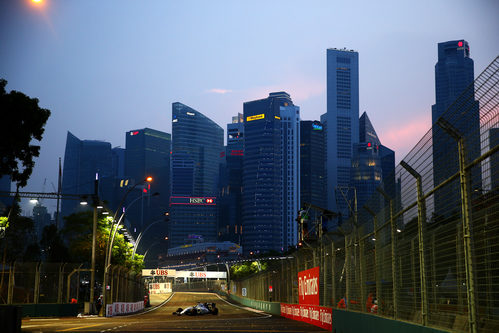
206, 201
308, 286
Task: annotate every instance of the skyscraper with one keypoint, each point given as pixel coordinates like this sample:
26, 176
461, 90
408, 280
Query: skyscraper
271, 174
371, 162
5, 186
147, 154
455, 102
83, 159
41, 219
290, 138
312, 166
230, 198
196, 146
494, 159
341, 123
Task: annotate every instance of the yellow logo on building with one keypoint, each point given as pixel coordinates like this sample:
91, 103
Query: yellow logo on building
255, 117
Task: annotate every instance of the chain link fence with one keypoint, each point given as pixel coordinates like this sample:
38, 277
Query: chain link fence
426, 244
44, 283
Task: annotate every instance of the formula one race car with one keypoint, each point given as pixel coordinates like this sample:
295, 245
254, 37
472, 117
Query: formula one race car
199, 309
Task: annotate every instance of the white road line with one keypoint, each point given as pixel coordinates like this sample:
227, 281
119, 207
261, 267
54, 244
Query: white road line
43, 319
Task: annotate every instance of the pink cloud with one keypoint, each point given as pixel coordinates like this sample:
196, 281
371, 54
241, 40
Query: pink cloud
219, 91
404, 136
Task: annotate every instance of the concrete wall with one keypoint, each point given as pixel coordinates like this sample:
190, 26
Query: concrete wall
268, 307
353, 322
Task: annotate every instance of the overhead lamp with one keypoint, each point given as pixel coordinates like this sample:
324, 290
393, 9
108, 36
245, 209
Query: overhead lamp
105, 212
100, 207
83, 202
33, 201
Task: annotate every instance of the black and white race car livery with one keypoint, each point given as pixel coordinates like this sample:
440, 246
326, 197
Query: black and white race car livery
199, 309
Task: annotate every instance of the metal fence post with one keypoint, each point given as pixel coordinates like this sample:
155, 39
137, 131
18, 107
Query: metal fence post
36, 291
361, 272
377, 262
433, 269
289, 279
421, 234
10, 288
413, 274
333, 274
324, 273
61, 283
393, 233
347, 271
465, 213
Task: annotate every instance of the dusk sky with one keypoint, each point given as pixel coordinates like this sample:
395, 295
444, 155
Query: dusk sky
106, 67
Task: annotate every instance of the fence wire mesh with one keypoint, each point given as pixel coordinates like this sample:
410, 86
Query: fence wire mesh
43, 283
426, 245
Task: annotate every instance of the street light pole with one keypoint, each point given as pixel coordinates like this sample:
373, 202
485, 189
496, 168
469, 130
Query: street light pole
109, 247
94, 233
141, 234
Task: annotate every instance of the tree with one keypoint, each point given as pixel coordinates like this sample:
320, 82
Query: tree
24, 121
18, 237
78, 234
53, 246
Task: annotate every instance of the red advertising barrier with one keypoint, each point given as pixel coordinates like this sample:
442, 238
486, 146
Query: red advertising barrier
311, 314
308, 286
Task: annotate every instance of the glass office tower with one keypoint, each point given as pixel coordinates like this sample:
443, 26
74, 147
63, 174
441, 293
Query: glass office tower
455, 102
5, 186
196, 147
366, 162
83, 159
341, 122
312, 167
230, 197
147, 153
270, 173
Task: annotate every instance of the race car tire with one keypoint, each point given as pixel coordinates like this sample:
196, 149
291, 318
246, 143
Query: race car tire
214, 311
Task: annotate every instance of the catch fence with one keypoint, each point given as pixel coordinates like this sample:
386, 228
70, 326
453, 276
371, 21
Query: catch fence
426, 244
44, 283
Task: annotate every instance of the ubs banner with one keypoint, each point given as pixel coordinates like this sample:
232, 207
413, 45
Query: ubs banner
308, 309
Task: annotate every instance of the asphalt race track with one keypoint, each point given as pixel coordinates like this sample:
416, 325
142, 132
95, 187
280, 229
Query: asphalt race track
159, 318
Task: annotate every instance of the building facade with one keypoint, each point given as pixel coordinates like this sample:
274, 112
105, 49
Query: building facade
312, 167
270, 173
455, 103
147, 154
230, 197
5, 186
341, 123
196, 147
83, 161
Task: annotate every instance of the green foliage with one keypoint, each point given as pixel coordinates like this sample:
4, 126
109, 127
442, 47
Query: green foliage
4, 222
24, 121
18, 237
78, 234
246, 269
52, 245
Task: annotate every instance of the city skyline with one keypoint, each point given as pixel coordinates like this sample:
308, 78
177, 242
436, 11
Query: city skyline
102, 79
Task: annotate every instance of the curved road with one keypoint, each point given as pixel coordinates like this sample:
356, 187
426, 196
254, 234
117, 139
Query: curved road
231, 318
